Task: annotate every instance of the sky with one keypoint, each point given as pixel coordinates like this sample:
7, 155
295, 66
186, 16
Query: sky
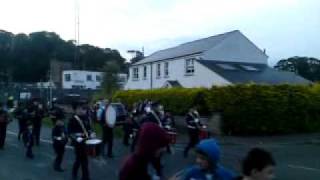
285, 28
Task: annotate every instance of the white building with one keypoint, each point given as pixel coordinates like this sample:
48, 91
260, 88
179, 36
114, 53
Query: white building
77, 79
223, 59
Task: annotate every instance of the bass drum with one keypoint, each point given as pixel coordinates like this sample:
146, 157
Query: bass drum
111, 116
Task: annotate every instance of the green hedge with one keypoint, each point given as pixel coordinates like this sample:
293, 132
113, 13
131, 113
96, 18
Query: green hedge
246, 109
176, 100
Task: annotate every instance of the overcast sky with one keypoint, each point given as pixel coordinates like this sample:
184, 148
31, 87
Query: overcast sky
284, 28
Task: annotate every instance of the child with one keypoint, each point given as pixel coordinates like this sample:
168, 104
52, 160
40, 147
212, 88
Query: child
59, 138
152, 140
28, 140
208, 167
258, 165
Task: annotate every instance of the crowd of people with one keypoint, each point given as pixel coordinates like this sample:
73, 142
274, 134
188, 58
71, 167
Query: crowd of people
148, 130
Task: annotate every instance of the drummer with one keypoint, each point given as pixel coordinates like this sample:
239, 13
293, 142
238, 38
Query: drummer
59, 137
79, 131
194, 125
107, 131
168, 123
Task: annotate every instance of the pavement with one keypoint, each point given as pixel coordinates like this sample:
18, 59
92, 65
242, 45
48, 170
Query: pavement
297, 157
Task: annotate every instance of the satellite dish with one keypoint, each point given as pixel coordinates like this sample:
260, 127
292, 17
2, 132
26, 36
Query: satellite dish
111, 116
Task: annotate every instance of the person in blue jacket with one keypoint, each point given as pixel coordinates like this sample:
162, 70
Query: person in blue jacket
207, 163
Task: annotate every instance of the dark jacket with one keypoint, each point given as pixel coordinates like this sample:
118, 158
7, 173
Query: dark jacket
193, 121
75, 130
151, 139
211, 149
59, 135
151, 117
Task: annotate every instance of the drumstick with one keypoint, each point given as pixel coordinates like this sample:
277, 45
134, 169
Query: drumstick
82, 126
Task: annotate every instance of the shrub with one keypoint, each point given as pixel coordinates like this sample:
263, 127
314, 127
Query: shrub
176, 100
246, 109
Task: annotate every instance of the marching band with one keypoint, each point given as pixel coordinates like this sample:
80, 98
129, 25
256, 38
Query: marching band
81, 133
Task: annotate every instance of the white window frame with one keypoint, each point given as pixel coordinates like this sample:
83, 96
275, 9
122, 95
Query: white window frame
135, 73
189, 66
158, 70
144, 72
166, 69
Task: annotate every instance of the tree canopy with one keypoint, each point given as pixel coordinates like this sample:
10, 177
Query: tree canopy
306, 67
26, 58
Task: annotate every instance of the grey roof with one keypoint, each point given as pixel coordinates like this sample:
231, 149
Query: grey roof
259, 74
189, 48
174, 83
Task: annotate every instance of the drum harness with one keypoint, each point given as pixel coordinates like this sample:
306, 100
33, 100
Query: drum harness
85, 132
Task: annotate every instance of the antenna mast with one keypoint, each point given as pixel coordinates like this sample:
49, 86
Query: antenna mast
77, 34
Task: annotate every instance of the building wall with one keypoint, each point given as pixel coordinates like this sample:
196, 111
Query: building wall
79, 79
202, 77
236, 48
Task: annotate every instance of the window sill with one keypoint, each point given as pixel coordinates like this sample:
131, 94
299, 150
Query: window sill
166, 76
159, 77
135, 79
189, 74
144, 79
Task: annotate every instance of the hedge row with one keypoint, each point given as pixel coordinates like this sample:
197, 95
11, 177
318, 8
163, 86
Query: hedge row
176, 100
246, 109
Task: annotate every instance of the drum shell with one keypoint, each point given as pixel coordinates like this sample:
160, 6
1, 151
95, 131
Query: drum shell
94, 150
172, 136
203, 134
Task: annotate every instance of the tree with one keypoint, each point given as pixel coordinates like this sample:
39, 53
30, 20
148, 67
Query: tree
26, 58
306, 67
110, 78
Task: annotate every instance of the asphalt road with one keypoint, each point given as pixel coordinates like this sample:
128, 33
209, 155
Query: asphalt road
297, 158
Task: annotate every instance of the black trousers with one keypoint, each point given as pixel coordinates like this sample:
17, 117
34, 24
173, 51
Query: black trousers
193, 140
127, 129
29, 152
36, 132
108, 139
21, 128
134, 141
59, 149
3, 132
81, 160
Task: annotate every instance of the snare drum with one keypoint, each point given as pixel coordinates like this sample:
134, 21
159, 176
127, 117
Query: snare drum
93, 147
172, 136
203, 133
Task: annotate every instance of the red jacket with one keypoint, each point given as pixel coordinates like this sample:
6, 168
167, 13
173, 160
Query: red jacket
151, 139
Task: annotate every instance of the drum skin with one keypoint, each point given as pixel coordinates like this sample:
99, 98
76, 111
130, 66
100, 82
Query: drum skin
111, 116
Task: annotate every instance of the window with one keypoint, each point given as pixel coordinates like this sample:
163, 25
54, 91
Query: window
226, 66
189, 66
135, 73
166, 69
98, 78
89, 77
158, 70
67, 77
249, 68
144, 72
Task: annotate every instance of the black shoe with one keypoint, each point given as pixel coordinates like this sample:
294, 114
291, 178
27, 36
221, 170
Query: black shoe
30, 156
58, 169
110, 156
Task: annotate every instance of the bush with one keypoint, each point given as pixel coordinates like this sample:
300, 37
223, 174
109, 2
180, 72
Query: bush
263, 109
176, 100
246, 109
